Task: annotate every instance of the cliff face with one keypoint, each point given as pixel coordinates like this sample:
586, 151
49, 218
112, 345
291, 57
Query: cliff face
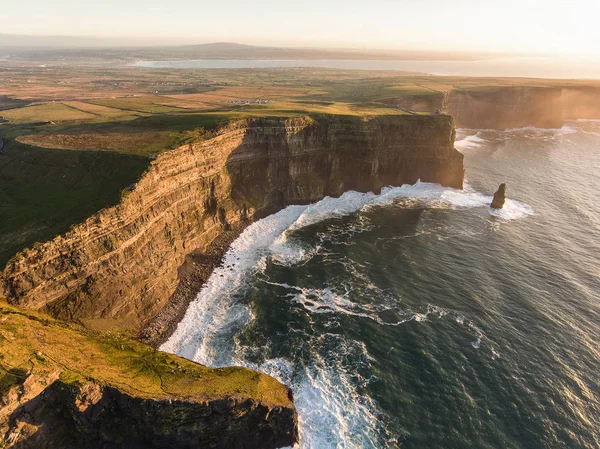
506, 107
95, 417
275, 167
62, 386
119, 268
581, 103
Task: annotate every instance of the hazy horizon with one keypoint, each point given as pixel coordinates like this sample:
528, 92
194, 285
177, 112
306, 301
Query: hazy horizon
57, 42
515, 27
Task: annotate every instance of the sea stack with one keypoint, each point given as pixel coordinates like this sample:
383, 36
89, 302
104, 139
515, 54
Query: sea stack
499, 197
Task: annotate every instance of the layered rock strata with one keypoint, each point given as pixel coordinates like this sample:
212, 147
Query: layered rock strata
118, 269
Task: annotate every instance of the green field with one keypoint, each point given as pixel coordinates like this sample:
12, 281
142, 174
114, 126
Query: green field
43, 191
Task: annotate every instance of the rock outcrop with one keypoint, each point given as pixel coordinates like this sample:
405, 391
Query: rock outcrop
119, 268
499, 197
62, 386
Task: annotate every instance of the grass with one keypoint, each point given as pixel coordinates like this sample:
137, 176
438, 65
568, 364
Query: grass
102, 111
144, 143
44, 113
43, 192
37, 344
145, 104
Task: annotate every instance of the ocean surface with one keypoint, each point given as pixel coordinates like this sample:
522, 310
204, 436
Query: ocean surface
419, 318
533, 67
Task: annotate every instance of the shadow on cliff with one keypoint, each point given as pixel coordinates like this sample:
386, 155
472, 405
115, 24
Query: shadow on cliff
45, 191
299, 161
91, 417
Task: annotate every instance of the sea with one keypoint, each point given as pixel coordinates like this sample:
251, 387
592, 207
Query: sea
568, 67
421, 318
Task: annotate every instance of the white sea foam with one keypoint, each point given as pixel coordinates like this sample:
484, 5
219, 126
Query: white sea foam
328, 301
322, 390
468, 142
475, 139
322, 394
215, 307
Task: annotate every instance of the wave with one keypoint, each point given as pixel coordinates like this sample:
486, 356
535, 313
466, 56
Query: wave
323, 389
328, 301
564, 128
474, 139
470, 141
270, 237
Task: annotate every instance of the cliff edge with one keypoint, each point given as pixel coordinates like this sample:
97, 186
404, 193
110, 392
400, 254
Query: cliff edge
118, 269
63, 386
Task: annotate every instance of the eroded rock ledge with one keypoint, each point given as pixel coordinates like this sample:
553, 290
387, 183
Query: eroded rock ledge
63, 386
118, 269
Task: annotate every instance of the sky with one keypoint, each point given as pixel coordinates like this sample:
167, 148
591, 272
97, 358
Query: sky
514, 26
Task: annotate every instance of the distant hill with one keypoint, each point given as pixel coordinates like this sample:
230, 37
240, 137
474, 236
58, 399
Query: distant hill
70, 48
226, 50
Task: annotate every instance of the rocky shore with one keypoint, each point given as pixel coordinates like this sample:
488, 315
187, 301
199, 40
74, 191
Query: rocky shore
193, 274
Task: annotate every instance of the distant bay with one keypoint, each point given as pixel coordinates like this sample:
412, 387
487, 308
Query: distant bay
532, 67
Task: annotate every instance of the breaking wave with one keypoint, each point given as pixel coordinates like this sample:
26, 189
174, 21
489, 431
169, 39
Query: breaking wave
269, 237
468, 142
324, 388
474, 139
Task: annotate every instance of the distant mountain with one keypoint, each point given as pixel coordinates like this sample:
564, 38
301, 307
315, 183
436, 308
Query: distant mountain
226, 50
63, 48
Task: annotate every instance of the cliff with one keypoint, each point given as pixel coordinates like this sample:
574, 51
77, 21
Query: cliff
62, 386
508, 107
118, 269
581, 102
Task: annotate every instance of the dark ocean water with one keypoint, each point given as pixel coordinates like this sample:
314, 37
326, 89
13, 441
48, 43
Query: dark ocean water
419, 318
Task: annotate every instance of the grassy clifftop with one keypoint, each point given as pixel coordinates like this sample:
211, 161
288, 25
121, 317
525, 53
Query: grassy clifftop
34, 343
65, 386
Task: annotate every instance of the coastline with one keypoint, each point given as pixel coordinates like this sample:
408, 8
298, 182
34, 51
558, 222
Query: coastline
192, 276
